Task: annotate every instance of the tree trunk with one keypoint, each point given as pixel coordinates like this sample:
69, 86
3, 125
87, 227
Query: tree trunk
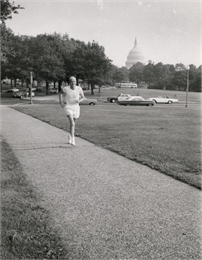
27, 83
15, 81
99, 89
92, 89
47, 88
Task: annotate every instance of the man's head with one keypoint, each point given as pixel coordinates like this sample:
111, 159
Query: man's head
72, 81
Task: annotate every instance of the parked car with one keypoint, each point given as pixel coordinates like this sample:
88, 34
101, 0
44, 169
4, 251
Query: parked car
33, 89
119, 98
12, 90
123, 97
53, 90
90, 102
112, 99
136, 101
19, 94
40, 88
164, 100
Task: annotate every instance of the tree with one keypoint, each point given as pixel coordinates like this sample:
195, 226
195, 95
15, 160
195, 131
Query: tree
180, 80
163, 75
17, 59
160, 71
65, 48
46, 59
91, 64
7, 36
7, 9
120, 74
148, 73
136, 73
195, 78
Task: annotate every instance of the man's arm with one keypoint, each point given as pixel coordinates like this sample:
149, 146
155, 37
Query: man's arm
61, 97
82, 97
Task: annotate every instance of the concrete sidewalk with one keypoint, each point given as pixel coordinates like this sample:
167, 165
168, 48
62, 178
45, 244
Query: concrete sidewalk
104, 205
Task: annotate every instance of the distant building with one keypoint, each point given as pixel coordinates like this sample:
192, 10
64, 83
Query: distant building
135, 55
126, 85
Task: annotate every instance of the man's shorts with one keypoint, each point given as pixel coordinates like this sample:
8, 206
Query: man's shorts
72, 110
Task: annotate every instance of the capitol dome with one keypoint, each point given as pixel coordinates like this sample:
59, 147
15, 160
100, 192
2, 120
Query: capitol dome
135, 55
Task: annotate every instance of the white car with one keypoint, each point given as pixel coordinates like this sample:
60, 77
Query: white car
12, 90
164, 100
125, 97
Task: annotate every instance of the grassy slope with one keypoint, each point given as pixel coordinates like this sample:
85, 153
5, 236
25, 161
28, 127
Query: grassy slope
166, 138
27, 232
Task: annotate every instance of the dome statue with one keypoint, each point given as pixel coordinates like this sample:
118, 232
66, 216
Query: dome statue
135, 55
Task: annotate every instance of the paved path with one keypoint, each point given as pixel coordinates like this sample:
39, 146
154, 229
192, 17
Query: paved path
104, 205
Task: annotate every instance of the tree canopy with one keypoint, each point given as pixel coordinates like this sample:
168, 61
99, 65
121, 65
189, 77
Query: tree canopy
55, 57
7, 9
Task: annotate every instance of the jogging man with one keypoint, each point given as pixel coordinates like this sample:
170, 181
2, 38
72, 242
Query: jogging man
70, 96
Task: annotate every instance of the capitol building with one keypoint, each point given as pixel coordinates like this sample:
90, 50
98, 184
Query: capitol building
135, 55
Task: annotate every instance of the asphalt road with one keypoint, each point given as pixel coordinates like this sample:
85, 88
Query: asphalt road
104, 205
7, 99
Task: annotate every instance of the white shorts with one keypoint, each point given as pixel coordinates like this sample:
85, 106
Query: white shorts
72, 110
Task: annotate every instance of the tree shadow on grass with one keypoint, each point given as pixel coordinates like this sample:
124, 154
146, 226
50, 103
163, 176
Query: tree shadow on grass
27, 228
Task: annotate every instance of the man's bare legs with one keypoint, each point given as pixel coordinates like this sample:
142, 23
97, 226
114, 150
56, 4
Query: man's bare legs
72, 122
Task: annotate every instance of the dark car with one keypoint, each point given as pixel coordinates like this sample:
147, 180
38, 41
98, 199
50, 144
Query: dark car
112, 99
136, 101
23, 93
90, 102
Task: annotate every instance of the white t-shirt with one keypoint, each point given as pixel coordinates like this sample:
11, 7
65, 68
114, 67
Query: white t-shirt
70, 95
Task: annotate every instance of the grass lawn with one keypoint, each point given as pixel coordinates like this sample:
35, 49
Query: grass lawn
26, 228
164, 137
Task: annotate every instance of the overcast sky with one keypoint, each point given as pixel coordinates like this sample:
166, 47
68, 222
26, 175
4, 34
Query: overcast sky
166, 31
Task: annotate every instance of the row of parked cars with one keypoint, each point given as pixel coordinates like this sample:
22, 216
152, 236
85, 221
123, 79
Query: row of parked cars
122, 99
126, 99
17, 93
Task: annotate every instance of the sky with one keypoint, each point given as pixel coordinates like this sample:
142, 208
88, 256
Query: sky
166, 31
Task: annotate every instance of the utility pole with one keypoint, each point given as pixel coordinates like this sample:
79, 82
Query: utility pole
187, 90
30, 90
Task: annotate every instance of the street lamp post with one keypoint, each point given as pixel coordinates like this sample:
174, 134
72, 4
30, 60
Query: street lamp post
31, 82
187, 90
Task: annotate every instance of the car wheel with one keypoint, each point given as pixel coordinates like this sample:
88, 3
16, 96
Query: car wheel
91, 104
170, 101
113, 100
